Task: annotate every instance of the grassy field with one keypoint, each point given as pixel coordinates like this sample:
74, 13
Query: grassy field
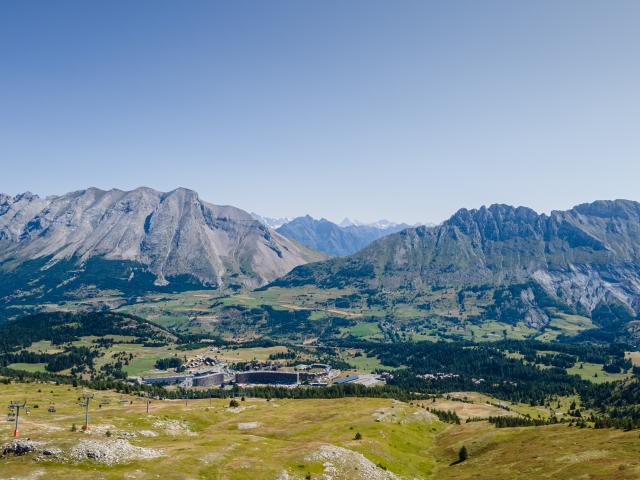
564, 324
259, 440
44, 346
298, 439
491, 330
594, 373
478, 405
552, 452
361, 362
174, 310
28, 367
365, 330
142, 358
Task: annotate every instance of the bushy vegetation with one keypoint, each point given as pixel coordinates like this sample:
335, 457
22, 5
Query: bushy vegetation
446, 416
508, 421
65, 327
171, 362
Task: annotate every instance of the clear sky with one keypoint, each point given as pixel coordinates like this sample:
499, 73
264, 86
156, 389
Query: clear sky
368, 109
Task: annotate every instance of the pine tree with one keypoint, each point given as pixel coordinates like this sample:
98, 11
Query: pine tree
463, 454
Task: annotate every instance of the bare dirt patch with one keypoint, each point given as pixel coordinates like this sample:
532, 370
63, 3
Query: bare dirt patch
248, 425
173, 427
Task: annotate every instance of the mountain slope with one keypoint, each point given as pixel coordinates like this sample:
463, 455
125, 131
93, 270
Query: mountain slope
141, 235
333, 239
584, 257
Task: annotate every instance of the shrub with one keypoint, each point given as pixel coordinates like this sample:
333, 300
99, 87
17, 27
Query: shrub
463, 454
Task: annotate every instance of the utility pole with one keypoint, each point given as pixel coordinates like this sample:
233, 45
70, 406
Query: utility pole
148, 402
17, 406
86, 398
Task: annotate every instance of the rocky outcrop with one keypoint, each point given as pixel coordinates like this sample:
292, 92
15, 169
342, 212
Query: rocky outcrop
111, 452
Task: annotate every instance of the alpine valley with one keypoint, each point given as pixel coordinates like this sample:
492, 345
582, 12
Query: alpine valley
202, 343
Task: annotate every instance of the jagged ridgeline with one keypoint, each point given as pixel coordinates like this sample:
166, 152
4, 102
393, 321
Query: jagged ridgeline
137, 241
585, 260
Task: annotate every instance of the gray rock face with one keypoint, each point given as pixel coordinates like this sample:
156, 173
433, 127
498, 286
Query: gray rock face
583, 257
172, 234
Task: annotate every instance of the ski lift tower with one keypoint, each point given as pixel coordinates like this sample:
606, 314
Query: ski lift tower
15, 407
146, 398
86, 399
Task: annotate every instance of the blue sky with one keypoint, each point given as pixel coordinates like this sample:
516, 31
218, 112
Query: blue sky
368, 109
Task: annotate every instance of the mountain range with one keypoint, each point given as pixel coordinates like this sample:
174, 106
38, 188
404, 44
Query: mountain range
333, 239
135, 240
586, 258
381, 224
92, 242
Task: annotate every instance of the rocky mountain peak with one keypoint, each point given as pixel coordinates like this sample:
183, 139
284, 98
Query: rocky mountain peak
624, 209
25, 196
169, 234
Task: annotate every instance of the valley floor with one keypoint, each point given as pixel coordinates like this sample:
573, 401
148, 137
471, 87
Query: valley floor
297, 439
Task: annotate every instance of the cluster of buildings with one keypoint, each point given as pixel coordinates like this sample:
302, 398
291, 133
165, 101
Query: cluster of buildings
206, 371
199, 379
217, 378
368, 380
267, 377
438, 376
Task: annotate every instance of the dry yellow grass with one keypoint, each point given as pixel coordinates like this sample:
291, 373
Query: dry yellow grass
634, 357
554, 452
261, 440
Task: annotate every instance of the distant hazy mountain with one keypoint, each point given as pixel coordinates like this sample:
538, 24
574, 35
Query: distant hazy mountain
271, 222
380, 224
326, 236
142, 239
587, 258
